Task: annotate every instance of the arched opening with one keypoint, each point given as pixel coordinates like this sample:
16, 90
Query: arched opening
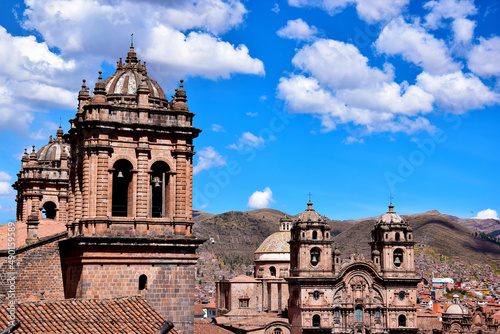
316, 320
315, 235
358, 314
398, 257
122, 192
277, 331
315, 256
397, 236
159, 185
402, 320
327, 235
377, 314
143, 282
316, 295
272, 270
303, 234
409, 236
49, 210
336, 313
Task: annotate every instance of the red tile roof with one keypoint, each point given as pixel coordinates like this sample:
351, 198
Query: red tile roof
120, 315
203, 326
46, 228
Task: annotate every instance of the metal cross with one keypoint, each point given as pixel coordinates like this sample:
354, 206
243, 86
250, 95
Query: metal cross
132, 39
310, 196
391, 198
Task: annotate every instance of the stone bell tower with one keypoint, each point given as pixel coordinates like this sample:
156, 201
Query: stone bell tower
310, 272
393, 246
130, 194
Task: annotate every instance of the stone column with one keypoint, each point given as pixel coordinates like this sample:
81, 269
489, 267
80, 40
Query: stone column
143, 184
102, 191
269, 299
85, 192
279, 298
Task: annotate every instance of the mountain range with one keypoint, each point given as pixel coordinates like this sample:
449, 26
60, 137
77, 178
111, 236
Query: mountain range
235, 235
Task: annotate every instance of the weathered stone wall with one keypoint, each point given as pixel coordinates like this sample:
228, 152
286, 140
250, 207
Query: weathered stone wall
38, 270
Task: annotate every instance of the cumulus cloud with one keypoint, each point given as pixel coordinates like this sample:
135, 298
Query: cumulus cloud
297, 29
247, 141
208, 158
261, 199
484, 57
457, 11
415, 45
199, 54
368, 10
30, 82
487, 214
457, 92
5, 188
158, 27
339, 87
352, 140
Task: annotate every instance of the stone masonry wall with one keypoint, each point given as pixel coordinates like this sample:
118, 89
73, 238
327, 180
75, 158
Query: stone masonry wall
38, 270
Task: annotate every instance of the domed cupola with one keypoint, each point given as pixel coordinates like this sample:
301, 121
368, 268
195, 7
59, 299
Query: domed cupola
310, 215
129, 77
51, 153
391, 217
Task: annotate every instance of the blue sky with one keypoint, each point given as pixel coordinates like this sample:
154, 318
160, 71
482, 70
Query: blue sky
351, 100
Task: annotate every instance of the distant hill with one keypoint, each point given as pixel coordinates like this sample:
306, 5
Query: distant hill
444, 235
238, 234
488, 226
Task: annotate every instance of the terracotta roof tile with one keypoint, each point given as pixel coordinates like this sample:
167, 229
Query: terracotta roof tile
204, 327
121, 315
46, 228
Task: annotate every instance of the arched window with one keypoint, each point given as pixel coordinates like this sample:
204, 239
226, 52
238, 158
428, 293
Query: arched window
122, 190
397, 236
377, 313
402, 321
159, 186
398, 257
143, 281
336, 313
49, 208
315, 235
277, 331
272, 270
315, 256
358, 314
316, 320
316, 294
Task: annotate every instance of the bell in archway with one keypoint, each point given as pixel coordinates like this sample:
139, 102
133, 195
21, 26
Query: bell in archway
156, 182
397, 260
120, 175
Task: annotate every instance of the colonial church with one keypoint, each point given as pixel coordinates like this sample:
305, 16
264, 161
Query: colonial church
324, 293
105, 210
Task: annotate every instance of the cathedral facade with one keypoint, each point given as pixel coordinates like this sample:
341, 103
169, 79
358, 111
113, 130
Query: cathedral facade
107, 207
325, 292
354, 295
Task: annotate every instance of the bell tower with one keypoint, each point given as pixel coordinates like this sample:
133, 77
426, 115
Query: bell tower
310, 272
393, 246
130, 194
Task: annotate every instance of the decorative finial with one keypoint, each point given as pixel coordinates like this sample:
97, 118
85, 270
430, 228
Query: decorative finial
132, 40
391, 207
182, 83
100, 76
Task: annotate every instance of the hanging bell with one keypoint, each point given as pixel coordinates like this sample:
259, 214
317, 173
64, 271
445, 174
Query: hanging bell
314, 259
156, 182
397, 260
120, 175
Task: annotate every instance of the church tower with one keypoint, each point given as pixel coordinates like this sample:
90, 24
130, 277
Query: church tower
130, 194
310, 273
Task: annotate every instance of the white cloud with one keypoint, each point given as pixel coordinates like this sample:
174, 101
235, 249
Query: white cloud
252, 114
339, 65
342, 88
486, 214
5, 188
484, 58
368, 10
31, 81
198, 54
208, 157
297, 29
217, 128
276, 8
414, 44
261, 199
247, 141
458, 11
457, 92
352, 140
